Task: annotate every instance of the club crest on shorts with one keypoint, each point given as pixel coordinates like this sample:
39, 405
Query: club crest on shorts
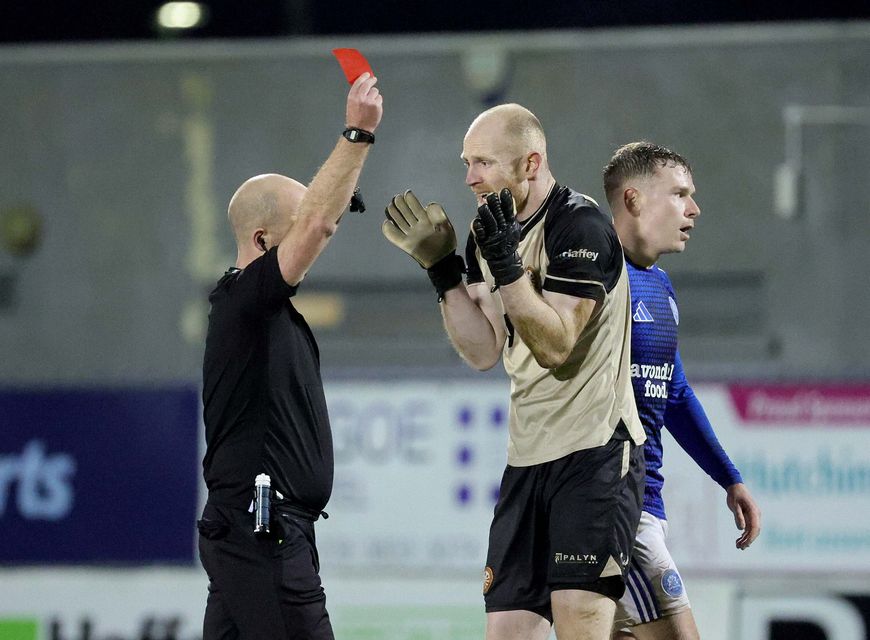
672, 583
487, 579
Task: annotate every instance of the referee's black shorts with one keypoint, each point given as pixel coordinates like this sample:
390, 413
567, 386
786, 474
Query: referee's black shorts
565, 524
261, 589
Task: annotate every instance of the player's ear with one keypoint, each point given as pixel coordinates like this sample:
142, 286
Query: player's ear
532, 164
632, 199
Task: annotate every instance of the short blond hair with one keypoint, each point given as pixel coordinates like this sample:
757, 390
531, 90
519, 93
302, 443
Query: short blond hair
638, 160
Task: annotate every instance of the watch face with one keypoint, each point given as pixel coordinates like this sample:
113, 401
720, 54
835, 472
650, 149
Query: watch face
357, 135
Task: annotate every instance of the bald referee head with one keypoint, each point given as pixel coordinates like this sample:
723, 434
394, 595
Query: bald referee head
261, 212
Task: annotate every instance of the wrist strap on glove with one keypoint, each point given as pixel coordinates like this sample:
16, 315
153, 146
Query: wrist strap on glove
446, 273
506, 269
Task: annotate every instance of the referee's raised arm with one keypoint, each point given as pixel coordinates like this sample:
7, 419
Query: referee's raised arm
331, 189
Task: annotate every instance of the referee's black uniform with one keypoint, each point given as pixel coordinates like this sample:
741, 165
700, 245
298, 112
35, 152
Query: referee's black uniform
264, 412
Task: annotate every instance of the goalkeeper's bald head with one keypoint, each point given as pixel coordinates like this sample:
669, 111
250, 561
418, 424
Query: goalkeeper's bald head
521, 131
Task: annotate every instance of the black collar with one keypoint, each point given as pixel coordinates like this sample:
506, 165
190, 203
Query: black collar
527, 225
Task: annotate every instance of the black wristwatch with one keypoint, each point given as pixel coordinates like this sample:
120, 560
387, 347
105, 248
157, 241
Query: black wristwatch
354, 134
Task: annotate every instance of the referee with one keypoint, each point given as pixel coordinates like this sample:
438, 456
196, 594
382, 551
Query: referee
264, 407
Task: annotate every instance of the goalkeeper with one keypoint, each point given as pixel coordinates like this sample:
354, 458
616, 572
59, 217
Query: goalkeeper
547, 291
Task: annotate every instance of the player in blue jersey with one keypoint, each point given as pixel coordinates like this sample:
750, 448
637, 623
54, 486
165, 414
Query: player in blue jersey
650, 190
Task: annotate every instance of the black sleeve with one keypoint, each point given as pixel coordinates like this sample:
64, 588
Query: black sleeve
260, 287
584, 252
472, 268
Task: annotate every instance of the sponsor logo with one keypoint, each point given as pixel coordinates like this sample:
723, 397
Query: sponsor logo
487, 579
585, 254
663, 371
44, 482
671, 583
655, 390
19, 629
825, 472
575, 558
86, 628
641, 314
169, 627
803, 404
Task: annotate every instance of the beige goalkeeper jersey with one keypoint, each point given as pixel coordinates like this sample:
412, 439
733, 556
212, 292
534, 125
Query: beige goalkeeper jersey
569, 246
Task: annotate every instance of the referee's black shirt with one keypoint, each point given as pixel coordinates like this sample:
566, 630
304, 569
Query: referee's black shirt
263, 401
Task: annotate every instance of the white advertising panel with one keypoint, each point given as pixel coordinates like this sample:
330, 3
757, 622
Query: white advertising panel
417, 473
804, 453
418, 466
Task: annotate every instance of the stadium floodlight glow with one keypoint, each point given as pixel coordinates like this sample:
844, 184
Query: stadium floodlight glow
181, 15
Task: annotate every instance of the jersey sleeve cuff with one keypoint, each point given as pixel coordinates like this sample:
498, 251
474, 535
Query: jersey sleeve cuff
590, 290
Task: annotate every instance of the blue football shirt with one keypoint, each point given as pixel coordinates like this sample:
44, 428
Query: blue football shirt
661, 391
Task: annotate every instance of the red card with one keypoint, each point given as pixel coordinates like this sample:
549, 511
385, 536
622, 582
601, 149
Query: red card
352, 63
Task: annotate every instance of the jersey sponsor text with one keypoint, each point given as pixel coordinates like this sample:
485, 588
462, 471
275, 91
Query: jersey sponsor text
580, 253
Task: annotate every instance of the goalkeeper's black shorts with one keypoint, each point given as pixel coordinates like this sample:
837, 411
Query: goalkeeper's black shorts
565, 524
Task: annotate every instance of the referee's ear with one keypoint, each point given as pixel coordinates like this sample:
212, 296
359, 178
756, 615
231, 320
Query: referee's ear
259, 240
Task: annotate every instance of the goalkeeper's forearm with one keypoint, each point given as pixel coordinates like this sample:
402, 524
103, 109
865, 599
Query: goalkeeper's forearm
475, 330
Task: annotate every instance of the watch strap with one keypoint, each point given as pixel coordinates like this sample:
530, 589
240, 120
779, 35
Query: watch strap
355, 134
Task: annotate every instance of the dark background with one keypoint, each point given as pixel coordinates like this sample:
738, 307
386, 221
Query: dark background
82, 20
